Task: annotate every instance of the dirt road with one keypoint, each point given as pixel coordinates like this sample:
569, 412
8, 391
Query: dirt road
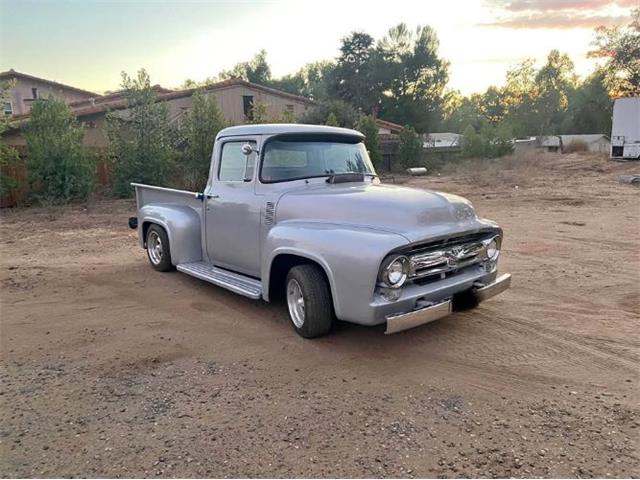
112, 369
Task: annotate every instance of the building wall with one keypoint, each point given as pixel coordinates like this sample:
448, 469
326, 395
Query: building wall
21, 96
230, 102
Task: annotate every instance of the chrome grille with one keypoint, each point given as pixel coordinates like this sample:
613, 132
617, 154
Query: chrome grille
447, 255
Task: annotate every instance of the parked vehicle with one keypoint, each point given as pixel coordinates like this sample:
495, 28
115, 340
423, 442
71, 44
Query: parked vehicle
297, 211
625, 129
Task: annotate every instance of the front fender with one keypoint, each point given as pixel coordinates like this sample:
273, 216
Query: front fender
350, 257
183, 227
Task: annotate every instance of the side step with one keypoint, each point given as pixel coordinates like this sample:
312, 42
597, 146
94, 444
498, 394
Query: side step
247, 286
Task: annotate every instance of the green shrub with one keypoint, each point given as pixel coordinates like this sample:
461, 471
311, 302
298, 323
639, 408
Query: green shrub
410, 151
367, 126
199, 129
60, 169
140, 138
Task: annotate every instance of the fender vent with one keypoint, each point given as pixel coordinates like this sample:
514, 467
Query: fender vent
269, 213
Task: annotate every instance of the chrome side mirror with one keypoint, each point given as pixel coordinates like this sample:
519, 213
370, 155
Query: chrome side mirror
247, 149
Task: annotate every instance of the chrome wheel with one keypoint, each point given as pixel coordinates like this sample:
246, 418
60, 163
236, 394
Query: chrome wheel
295, 302
154, 247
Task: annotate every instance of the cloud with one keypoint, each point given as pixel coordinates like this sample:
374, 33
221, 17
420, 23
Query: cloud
559, 14
556, 5
558, 21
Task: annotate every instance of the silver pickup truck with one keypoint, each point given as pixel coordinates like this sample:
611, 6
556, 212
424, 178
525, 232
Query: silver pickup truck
297, 212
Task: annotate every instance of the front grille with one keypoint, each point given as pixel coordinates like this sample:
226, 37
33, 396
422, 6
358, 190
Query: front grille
443, 257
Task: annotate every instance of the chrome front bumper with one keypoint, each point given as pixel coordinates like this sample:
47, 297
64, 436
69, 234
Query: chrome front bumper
429, 313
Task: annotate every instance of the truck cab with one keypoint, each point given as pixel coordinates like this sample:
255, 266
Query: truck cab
298, 212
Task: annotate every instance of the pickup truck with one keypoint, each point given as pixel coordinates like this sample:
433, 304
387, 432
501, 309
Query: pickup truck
297, 212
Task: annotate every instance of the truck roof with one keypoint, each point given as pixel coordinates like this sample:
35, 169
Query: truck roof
279, 128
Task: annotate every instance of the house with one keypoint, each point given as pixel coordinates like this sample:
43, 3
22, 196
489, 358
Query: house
388, 128
28, 88
596, 142
235, 98
549, 143
443, 142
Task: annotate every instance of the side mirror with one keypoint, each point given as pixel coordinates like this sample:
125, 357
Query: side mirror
247, 149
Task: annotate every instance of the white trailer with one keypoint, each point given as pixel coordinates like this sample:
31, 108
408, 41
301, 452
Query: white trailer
625, 130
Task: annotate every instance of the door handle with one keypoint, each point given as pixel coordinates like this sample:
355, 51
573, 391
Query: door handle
213, 196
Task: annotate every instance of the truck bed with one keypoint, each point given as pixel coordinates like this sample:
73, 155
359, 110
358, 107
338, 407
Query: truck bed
147, 194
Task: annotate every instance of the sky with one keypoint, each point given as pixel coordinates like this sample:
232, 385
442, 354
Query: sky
87, 43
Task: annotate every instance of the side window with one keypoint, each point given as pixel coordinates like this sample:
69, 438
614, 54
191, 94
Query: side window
235, 166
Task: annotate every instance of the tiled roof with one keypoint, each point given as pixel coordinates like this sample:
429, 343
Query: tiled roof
13, 74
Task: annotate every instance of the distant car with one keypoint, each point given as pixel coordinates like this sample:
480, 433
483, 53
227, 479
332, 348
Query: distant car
625, 128
298, 211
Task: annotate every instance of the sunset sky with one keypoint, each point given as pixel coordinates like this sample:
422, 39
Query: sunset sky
88, 43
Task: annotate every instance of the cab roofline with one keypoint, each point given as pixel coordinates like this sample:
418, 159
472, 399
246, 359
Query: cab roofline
286, 128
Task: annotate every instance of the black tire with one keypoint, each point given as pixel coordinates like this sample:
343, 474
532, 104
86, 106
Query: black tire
163, 262
318, 307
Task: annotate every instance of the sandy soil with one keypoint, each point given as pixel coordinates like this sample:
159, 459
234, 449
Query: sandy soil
112, 369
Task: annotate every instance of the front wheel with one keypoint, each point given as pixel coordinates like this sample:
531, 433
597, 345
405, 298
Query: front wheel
309, 301
158, 249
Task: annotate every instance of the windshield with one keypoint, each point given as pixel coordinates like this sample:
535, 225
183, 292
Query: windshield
291, 160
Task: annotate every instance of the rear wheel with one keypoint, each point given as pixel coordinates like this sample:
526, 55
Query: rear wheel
158, 249
309, 301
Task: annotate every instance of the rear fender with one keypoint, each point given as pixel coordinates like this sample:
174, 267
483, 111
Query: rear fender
183, 227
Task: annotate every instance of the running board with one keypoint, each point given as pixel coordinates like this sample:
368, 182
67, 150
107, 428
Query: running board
247, 286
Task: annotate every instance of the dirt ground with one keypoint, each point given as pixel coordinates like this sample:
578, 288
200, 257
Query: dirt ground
112, 369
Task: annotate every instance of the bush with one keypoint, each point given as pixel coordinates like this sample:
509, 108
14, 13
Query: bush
410, 151
201, 125
575, 146
335, 111
60, 169
140, 138
367, 126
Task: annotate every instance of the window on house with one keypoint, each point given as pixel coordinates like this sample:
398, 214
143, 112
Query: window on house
34, 92
247, 106
290, 108
235, 166
8, 108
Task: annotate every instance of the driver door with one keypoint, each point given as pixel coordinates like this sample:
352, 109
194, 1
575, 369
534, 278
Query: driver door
233, 210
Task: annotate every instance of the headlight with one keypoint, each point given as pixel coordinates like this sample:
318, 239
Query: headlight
395, 271
492, 248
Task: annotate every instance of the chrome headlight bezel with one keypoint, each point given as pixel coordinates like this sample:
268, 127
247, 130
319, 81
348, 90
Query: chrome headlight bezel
492, 248
394, 264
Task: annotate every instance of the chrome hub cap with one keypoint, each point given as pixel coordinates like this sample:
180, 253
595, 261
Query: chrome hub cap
295, 302
154, 247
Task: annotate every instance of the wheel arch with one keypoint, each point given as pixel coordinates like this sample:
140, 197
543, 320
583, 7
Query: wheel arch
282, 261
182, 226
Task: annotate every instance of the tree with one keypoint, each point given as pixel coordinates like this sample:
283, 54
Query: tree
590, 108
343, 114
352, 80
60, 169
310, 81
331, 121
410, 150
256, 70
621, 47
201, 125
412, 77
367, 126
554, 83
140, 137
8, 155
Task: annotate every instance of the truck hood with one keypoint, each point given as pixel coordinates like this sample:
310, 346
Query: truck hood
415, 214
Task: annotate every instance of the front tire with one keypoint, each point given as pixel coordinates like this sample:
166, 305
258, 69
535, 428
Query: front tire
309, 301
158, 250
